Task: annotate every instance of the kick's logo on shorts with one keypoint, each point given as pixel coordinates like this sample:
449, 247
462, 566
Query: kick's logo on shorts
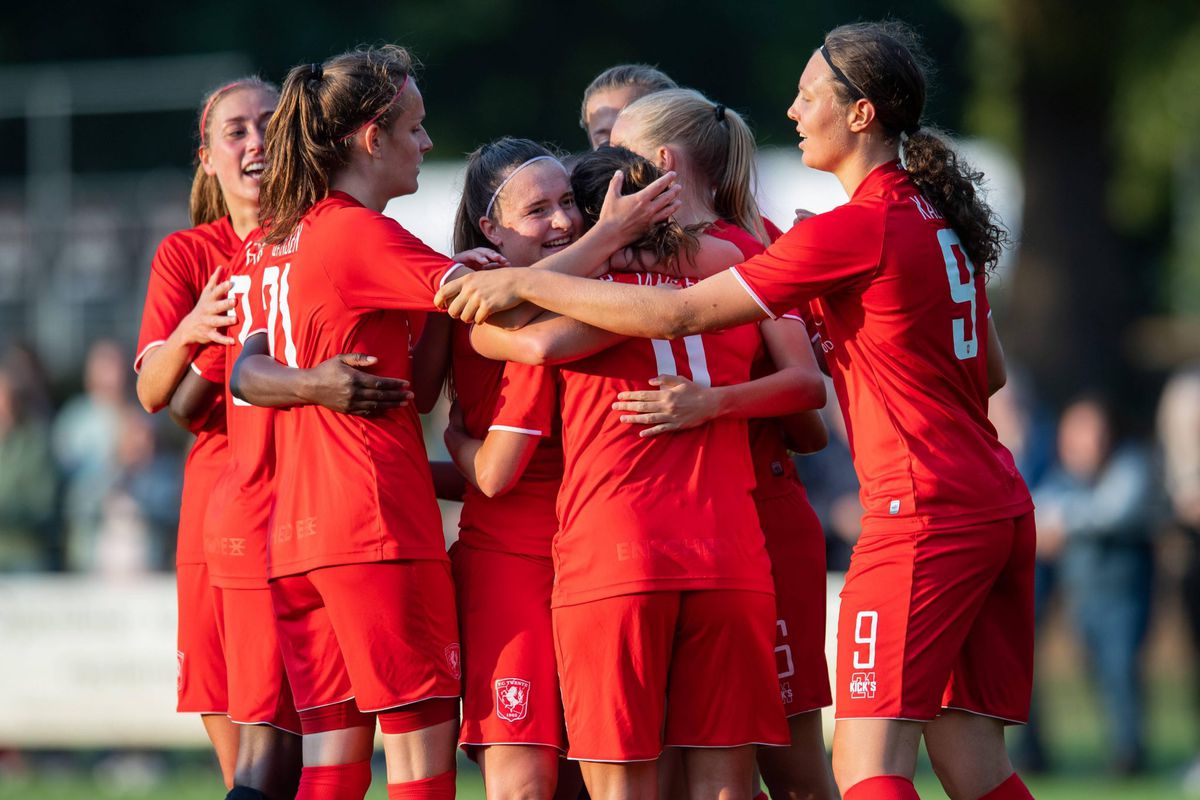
512, 699
179, 671
862, 686
454, 660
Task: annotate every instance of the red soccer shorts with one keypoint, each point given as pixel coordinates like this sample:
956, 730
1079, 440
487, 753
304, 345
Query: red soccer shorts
675, 669
938, 619
510, 680
383, 633
259, 693
796, 546
202, 684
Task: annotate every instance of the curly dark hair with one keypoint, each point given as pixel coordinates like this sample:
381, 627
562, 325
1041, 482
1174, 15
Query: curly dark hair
593, 171
883, 61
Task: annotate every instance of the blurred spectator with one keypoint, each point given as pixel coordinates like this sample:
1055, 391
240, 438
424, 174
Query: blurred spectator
1027, 431
832, 487
85, 443
1094, 511
23, 364
1179, 439
28, 484
140, 512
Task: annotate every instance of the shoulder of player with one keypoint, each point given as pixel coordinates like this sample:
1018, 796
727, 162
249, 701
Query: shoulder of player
191, 250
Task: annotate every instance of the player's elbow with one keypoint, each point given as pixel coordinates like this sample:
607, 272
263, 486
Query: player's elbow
149, 400
809, 390
997, 378
181, 417
493, 483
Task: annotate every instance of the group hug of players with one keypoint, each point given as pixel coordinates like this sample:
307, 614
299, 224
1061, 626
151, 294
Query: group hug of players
639, 580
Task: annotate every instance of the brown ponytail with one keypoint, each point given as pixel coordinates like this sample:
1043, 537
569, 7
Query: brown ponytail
883, 61
207, 203
310, 136
716, 140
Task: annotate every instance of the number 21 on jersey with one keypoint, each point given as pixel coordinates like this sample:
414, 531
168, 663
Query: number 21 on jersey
960, 292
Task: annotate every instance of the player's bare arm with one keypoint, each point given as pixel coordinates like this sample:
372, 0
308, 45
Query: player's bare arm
996, 369
549, 339
339, 383
494, 464
649, 312
164, 365
191, 398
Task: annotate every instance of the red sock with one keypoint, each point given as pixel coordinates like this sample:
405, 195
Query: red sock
439, 787
1013, 788
761, 796
335, 781
881, 787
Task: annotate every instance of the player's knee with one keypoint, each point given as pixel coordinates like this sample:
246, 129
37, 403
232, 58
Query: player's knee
521, 785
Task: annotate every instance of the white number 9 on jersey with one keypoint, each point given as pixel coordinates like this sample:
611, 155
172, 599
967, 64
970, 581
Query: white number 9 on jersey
960, 292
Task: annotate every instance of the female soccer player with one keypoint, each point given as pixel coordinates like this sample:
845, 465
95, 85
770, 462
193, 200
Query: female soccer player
712, 149
612, 90
505, 439
184, 310
660, 569
936, 624
360, 579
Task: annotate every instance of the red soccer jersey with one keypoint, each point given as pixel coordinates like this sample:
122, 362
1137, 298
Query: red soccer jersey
523, 399
905, 334
182, 266
774, 472
350, 489
239, 511
660, 513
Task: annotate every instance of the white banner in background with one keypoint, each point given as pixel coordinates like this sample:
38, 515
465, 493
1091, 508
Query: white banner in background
90, 662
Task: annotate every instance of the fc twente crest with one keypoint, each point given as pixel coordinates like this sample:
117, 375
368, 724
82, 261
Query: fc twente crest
512, 699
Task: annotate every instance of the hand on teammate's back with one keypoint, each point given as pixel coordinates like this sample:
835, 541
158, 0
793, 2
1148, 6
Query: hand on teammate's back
341, 384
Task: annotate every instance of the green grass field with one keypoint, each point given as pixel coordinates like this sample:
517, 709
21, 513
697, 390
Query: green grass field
1074, 733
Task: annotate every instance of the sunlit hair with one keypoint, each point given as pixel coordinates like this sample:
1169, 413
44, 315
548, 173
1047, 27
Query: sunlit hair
593, 172
207, 203
883, 61
311, 134
488, 167
716, 141
643, 78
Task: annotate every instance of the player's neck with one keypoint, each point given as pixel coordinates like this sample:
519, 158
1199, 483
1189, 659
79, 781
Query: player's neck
697, 197
862, 161
361, 187
244, 219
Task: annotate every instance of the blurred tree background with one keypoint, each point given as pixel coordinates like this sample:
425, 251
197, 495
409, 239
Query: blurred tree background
1096, 101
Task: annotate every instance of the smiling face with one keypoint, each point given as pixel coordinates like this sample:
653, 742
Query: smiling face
407, 142
233, 150
536, 215
822, 120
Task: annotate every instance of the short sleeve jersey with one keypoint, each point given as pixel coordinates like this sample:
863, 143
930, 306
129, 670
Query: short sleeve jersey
495, 395
774, 473
664, 513
181, 267
905, 336
237, 524
350, 489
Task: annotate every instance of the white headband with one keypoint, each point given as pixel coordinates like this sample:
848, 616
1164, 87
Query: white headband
512, 175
